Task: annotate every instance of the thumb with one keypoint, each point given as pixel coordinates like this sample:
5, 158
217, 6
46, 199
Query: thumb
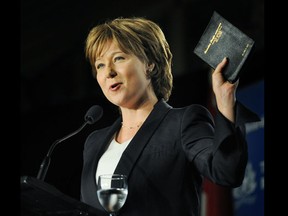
221, 65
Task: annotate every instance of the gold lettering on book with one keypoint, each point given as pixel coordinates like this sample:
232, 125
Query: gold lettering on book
215, 37
246, 48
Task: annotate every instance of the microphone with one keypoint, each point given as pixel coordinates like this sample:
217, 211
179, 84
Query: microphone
92, 115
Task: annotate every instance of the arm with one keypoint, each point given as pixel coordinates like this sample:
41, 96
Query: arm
230, 136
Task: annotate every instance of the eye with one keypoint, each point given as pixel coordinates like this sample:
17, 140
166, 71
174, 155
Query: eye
117, 58
98, 66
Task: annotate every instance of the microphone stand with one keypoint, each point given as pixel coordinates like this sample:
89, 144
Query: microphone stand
46, 161
93, 114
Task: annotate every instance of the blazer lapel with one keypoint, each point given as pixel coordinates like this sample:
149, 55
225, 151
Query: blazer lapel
109, 136
100, 149
137, 144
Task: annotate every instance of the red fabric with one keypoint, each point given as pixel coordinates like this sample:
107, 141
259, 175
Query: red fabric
218, 200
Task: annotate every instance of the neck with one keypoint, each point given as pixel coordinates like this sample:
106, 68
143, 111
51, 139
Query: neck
132, 127
132, 118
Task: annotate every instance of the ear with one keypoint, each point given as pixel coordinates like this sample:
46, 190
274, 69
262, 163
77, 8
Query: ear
150, 67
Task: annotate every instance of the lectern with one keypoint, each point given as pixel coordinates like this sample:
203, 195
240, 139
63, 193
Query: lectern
39, 198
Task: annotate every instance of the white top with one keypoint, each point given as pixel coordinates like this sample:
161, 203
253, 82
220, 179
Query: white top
109, 160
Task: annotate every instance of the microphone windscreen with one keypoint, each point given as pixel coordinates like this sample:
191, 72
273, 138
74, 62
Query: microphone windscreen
93, 114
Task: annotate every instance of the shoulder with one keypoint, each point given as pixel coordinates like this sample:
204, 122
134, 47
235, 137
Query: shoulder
189, 109
190, 114
193, 110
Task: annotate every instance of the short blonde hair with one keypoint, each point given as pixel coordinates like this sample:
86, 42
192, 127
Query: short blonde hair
138, 36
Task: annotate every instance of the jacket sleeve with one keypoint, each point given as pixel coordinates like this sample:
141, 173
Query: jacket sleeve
219, 151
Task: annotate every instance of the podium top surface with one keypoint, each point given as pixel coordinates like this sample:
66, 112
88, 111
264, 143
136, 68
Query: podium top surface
41, 198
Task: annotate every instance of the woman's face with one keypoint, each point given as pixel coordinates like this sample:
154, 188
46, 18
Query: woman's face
122, 77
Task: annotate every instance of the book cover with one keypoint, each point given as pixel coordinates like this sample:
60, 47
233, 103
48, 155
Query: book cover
222, 39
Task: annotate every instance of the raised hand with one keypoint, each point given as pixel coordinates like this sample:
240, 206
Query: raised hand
225, 92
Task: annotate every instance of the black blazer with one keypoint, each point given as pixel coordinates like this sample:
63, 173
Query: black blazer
169, 155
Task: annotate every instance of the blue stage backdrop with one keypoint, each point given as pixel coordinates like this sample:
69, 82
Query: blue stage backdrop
249, 197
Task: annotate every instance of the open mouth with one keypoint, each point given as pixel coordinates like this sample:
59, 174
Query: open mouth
115, 86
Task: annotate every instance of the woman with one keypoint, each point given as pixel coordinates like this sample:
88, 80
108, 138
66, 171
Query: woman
164, 151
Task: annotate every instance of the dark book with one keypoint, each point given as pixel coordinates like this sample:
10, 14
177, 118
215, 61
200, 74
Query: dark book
222, 39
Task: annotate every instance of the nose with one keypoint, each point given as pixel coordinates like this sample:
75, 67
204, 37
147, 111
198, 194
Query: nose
110, 73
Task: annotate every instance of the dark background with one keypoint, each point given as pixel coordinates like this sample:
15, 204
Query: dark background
57, 87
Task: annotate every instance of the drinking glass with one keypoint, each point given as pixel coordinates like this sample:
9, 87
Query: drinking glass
112, 192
